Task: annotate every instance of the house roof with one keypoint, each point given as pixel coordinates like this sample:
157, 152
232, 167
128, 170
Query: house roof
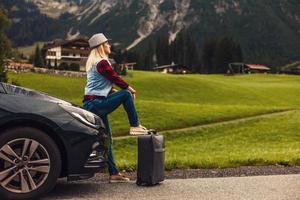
59, 42
256, 66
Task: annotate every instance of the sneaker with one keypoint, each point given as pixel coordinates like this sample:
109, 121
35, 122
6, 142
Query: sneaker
118, 178
139, 130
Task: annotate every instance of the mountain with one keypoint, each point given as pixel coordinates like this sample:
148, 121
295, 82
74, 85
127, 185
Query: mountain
268, 31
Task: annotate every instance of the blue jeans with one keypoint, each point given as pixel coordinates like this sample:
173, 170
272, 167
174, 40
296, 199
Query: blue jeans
102, 107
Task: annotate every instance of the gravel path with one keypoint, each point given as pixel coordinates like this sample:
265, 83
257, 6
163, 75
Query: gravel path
213, 173
275, 187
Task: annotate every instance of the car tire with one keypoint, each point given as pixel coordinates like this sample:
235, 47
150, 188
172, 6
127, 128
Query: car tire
32, 168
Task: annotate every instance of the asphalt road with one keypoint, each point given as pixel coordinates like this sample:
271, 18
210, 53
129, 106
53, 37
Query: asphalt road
255, 187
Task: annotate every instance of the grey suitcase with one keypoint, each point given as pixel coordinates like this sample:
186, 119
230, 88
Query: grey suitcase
151, 159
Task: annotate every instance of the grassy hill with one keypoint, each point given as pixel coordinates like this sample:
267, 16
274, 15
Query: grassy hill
167, 102
176, 101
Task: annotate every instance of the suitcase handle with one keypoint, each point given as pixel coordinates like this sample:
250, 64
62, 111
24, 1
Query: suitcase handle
152, 131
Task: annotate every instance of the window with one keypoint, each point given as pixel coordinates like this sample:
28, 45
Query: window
51, 53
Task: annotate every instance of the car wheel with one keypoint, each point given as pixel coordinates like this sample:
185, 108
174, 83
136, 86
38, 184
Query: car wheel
30, 163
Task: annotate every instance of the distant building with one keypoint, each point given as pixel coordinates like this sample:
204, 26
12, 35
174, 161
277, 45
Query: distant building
172, 68
234, 68
66, 51
252, 68
128, 66
293, 68
20, 66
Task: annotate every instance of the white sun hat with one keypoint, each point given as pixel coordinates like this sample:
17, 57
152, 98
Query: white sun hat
97, 39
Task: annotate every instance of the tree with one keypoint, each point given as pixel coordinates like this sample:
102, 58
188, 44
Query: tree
192, 54
4, 44
49, 65
123, 71
218, 53
38, 59
55, 64
226, 52
185, 51
74, 67
238, 55
118, 55
148, 61
163, 50
31, 59
208, 54
63, 66
178, 49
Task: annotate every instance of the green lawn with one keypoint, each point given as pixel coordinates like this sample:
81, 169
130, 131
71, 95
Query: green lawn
274, 140
167, 102
175, 101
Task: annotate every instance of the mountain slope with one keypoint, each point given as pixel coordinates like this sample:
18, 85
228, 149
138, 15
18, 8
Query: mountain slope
268, 31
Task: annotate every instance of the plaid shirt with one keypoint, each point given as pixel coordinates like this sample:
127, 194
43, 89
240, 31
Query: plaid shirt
106, 70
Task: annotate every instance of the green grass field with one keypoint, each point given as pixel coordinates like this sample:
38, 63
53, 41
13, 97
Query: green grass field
167, 102
267, 141
176, 101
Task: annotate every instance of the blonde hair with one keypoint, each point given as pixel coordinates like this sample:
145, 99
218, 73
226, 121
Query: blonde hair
95, 56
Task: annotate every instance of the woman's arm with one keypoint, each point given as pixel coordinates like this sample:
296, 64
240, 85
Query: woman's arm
106, 70
133, 92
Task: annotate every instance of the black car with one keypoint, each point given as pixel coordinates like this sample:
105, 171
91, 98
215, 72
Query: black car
43, 138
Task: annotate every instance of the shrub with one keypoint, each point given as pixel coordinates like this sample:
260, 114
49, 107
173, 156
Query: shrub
74, 67
63, 66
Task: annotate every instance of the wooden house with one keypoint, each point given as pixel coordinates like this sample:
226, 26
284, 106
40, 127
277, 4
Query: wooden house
66, 51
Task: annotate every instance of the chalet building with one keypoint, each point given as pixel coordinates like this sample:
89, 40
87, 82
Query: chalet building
66, 51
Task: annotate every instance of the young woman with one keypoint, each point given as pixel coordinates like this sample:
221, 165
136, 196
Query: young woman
101, 98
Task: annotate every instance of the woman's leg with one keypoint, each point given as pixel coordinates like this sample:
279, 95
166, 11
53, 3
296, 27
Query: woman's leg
114, 100
93, 107
112, 168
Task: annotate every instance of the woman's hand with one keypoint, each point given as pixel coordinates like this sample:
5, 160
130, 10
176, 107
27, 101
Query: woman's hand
133, 92
113, 90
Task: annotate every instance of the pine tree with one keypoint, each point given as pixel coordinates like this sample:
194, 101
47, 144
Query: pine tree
163, 50
118, 55
5, 48
148, 61
179, 49
55, 64
238, 56
208, 54
38, 60
223, 55
192, 54
185, 51
226, 52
